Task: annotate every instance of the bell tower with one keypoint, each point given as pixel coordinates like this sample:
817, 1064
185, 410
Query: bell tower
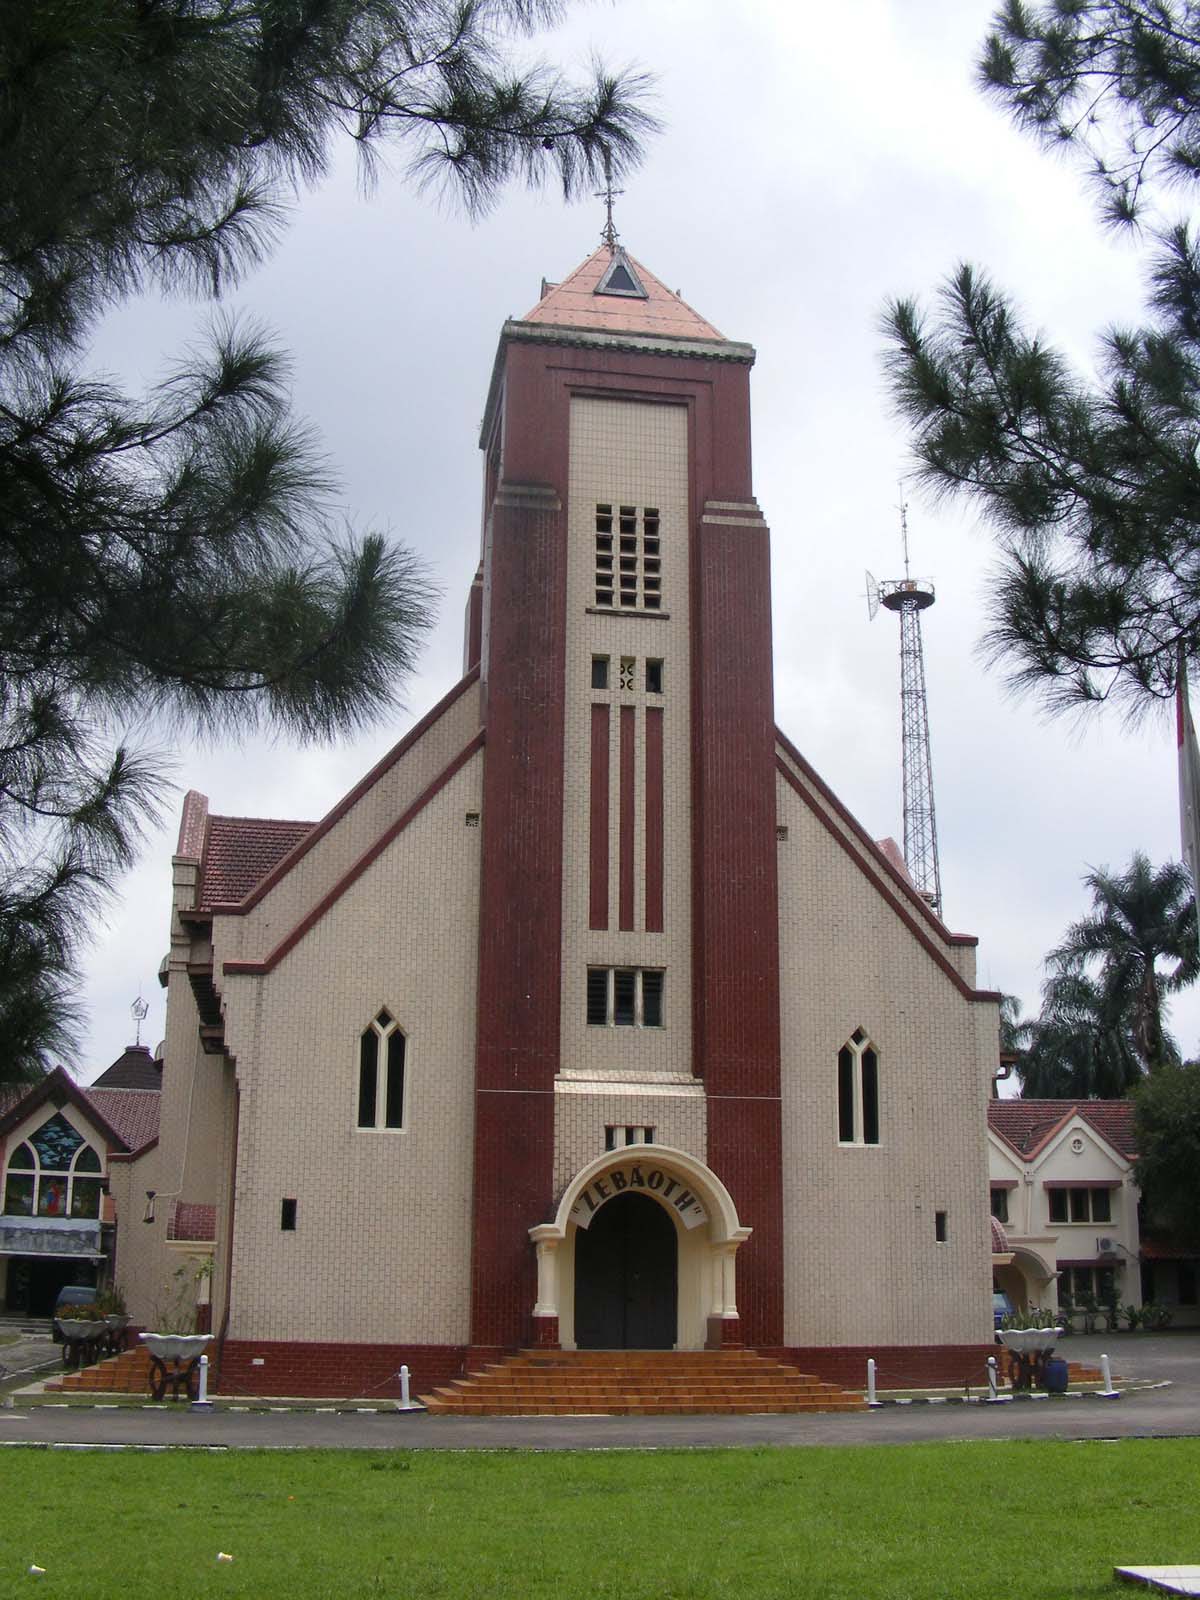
629, 940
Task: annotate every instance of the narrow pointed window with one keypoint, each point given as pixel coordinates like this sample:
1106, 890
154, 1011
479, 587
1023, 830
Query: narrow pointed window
858, 1091
381, 1067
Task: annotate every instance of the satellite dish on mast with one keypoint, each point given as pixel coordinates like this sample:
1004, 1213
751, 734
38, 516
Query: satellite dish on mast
872, 597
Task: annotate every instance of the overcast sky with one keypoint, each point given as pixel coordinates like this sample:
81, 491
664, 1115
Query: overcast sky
815, 161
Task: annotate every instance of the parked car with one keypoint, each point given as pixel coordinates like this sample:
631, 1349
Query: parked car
72, 1294
1002, 1307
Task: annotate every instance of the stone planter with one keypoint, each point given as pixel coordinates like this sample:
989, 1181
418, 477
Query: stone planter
1030, 1341
176, 1346
79, 1330
1029, 1349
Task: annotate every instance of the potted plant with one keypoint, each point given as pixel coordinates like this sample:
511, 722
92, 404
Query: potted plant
1066, 1310
1030, 1333
85, 1322
1155, 1318
175, 1337
112, 1305
1112, 1312
1091, 1311
1134, 1317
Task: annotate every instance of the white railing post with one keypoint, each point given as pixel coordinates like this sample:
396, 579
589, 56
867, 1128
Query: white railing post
404, 1400
1108, 1392
994, 1395
202, 1402
871, 1397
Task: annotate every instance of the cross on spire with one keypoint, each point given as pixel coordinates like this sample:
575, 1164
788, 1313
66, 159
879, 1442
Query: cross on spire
608, 194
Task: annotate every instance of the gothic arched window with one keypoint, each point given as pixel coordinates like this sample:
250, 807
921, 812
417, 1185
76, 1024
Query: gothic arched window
54, 1173
381, 1074
858, 1091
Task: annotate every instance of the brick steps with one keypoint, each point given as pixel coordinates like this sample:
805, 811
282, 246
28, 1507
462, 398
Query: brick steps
128, 1373
637, 1383
1078, 1372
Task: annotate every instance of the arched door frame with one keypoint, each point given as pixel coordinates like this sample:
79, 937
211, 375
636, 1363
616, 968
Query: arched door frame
724, 1233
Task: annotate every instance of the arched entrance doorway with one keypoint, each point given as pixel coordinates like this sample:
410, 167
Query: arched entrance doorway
626, 1277
693, 1302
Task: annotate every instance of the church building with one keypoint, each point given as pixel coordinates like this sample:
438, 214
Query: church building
589, 1018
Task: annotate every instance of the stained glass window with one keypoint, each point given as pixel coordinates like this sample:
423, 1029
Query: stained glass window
54, 1173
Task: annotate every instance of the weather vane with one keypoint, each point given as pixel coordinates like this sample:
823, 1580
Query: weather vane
139, 1011
608, 194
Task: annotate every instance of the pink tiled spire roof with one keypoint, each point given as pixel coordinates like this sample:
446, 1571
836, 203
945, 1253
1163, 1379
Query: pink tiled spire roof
574, 303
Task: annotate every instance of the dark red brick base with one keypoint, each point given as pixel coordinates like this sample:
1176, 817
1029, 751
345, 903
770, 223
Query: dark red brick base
333, 1371
724, 1333
897, 1366
363, 1371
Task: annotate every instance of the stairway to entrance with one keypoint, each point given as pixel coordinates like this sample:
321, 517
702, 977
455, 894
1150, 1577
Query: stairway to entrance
128, 1373
637, 1383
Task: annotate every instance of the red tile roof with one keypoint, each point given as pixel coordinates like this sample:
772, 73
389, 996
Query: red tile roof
574, 303
191, 1220
240, 851
1027, 1124
131, 1113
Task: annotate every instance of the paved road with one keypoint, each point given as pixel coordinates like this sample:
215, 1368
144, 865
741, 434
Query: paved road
1162, 1412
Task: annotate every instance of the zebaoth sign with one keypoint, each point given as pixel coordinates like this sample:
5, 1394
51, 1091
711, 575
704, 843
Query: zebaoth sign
656, 1180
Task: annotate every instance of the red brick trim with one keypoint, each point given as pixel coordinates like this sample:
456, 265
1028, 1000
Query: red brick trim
355, 871
896, 1366
282, 868
868, 844
724, 1333
132, 1155
545, 1333
58, 1083
885, 889
625, 910
1081, 1183
598, 823
654, 819
328, 1371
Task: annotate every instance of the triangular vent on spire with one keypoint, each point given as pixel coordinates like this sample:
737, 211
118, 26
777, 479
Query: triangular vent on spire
619, 278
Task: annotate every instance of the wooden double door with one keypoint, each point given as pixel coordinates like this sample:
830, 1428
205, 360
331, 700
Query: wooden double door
627, 1277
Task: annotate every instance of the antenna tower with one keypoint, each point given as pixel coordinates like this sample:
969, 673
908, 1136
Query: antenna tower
908, 597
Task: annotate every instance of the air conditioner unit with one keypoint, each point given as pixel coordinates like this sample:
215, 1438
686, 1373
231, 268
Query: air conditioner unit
1107, 1246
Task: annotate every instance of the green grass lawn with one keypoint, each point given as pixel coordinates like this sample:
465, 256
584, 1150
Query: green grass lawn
1023, 1520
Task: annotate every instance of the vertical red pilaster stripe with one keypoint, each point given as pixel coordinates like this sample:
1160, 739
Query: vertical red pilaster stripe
625, 878
736, 959
520, 908
654, 820
598, 822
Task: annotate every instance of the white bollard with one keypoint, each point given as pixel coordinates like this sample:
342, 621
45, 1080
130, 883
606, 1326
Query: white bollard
1108, 1392
202, 1402
995, 1398
872, 1400
404, 1400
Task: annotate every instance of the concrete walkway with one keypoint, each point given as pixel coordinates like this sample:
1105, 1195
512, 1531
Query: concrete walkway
1169, 1360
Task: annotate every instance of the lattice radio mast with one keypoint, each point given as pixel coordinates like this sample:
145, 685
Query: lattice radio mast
908, 597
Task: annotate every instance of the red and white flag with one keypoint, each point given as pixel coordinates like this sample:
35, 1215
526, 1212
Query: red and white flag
1189, 777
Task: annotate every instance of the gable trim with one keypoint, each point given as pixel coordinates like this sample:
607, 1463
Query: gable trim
936, 924
60, 1080
239, 908
355, 870
979, 996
